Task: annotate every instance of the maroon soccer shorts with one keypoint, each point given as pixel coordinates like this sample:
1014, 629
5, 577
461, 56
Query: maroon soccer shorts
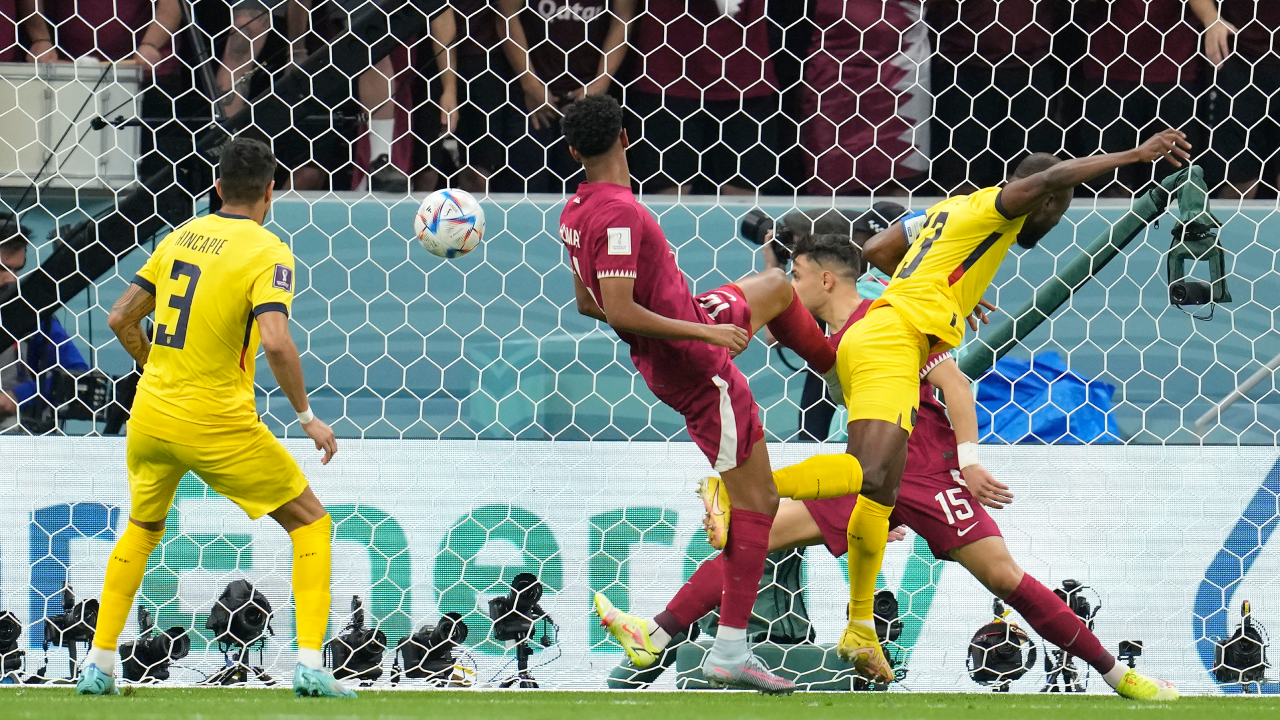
938, 508
720, 412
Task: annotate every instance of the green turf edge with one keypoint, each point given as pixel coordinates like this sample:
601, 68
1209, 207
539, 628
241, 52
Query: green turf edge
239, 704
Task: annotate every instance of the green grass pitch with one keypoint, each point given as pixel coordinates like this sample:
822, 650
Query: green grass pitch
216, 704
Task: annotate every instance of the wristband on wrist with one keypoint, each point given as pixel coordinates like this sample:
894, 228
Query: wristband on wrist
41, 40
967, 454
306, 416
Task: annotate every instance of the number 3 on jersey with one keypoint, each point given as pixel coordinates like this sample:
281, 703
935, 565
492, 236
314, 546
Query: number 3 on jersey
182, 303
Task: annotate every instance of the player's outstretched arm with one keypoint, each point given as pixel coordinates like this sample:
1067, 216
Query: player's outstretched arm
282, 356
1025, 195
947, 377
125, 321
627, 316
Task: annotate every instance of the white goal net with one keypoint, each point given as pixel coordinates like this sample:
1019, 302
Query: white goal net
487, 429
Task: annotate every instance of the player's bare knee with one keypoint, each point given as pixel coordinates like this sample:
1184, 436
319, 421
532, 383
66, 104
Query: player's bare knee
1003, 578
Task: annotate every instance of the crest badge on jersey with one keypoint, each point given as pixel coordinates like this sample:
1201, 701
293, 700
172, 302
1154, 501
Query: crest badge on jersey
619, 241
283, 279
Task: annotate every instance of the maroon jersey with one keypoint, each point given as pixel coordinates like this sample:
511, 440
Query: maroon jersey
1257, 23
566, 41
609, 234
931, 449
1145, 41
690, 50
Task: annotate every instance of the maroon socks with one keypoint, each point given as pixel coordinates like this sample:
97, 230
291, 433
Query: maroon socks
796, 329
1050, 617
696, 598
729, 580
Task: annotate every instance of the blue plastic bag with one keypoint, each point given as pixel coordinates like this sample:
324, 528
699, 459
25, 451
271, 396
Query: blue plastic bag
1042, 401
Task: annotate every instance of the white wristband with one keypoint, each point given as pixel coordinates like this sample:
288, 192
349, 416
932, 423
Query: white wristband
306, 416
967, 454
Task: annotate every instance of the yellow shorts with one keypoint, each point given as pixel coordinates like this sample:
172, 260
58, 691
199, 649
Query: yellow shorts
879, 363
257, 473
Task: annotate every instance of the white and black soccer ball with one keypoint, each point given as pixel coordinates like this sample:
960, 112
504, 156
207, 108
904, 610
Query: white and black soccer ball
450, 223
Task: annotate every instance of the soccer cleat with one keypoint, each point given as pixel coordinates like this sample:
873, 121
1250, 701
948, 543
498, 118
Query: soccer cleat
715, 501
312, 682
631, 632
1136, 686
834, 388
95, 682
860, 646
750, 674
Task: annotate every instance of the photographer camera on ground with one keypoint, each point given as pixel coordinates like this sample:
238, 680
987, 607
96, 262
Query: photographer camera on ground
41, 374
776, 242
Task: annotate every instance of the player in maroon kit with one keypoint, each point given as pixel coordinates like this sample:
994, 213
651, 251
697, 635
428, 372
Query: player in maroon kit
625, 274
935, 499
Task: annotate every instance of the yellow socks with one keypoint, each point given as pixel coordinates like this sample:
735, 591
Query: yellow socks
124, 576
311, 569
868, 532
821, 476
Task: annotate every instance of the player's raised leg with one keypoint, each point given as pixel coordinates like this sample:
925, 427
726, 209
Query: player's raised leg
827, 475
989, 561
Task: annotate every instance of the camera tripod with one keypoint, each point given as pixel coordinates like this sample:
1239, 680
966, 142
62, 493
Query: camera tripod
1061, 675
240, 671
522, 679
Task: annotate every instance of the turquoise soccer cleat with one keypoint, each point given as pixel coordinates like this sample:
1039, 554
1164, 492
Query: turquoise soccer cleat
310, 682
95, 682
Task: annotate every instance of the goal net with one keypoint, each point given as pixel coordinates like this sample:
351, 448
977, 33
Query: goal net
486, 429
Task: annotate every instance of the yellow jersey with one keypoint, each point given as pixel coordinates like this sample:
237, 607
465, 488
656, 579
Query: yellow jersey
211, 278
949, 266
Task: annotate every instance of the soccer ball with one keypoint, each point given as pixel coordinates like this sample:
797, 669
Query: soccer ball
450, 223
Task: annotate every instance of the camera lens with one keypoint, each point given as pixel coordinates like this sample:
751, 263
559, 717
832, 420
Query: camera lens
1178, 293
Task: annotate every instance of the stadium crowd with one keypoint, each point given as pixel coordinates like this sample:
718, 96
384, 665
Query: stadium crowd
736, 96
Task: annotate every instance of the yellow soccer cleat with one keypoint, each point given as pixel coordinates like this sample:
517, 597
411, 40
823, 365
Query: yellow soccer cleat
860, 646
631, 632
1136, 686
715, 500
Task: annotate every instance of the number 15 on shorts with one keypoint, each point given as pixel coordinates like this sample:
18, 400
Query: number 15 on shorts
949, 499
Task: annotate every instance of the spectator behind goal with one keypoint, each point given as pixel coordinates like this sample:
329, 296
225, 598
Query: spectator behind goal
994, 79
559, 52
1243, 102
702, 114
1140, 66
866, 98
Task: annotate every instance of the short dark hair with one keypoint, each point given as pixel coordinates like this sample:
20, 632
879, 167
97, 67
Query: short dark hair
832, 250
246, 168
592, 124
1035, 163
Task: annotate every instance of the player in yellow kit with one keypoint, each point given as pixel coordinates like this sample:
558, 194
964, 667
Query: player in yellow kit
219, 285
939, 277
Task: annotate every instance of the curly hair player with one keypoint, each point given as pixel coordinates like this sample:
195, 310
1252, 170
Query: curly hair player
625, 274
940, 500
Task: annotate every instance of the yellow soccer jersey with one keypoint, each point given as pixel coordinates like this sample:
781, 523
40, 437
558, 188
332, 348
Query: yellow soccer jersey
211, 278
948, 268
